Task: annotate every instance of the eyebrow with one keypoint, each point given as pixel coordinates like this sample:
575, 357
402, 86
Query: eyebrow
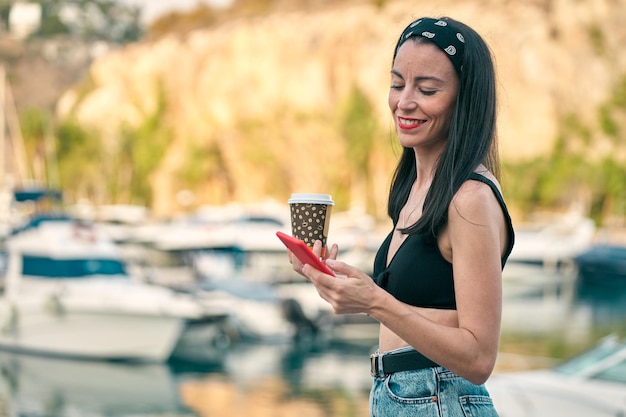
418, 79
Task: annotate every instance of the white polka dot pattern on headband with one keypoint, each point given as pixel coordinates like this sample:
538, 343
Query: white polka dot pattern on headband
442, 33
450, 50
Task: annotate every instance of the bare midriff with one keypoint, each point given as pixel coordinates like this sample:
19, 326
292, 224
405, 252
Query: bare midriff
388, 340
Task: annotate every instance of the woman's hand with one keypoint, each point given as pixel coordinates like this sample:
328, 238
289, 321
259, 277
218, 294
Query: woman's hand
350, 292
317, 249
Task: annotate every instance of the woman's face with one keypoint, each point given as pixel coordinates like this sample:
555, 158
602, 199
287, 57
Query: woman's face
422, 97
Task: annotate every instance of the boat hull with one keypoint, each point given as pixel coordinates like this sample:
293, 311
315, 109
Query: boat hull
602, 266
46, 329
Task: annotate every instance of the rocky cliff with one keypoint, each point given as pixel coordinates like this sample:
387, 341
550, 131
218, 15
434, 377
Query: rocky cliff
253, 102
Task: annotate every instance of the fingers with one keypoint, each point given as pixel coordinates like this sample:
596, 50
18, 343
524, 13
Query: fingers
342, 268
295, 262
316, 277
317, 248
347, 293
332, 253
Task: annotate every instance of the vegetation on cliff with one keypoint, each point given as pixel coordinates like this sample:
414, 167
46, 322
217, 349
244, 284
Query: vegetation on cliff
587, 165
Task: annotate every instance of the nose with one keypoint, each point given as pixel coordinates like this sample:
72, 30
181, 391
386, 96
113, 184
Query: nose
407, 100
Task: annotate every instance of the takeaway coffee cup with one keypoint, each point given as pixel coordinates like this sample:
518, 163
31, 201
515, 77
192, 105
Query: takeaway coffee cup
310, 217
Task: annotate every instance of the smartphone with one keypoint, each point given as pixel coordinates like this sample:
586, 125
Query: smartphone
303, 252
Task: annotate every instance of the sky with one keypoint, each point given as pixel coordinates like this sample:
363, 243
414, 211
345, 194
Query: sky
152, 9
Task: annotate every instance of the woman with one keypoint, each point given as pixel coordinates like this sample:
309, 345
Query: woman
437, 286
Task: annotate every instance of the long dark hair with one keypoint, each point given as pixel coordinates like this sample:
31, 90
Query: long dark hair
471, 140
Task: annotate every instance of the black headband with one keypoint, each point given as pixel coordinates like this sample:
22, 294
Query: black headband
441, 33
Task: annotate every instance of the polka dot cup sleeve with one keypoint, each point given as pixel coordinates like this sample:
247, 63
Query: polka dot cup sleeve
310, 217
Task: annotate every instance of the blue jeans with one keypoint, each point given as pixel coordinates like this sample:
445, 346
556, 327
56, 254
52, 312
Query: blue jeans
430, 392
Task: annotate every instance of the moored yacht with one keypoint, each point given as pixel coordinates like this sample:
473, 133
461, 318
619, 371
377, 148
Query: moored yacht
67, 293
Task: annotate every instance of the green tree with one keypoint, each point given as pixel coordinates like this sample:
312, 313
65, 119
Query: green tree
90, 20
78, 153
359, 128
142, 150
575, 170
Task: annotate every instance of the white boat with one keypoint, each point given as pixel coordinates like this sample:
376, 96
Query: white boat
234, 261
231, 256
67, 293
552, 242
245, 265
592, 384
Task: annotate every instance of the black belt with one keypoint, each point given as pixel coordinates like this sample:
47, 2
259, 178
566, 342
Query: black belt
389, 363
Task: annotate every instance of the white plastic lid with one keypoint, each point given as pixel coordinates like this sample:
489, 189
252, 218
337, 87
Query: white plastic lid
312, 199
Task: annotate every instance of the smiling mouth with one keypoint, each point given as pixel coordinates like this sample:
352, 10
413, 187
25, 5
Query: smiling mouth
409, 123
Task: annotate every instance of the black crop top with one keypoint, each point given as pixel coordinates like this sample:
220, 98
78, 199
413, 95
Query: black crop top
418, 274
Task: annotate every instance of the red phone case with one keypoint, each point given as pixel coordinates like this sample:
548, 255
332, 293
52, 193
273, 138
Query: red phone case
303, 252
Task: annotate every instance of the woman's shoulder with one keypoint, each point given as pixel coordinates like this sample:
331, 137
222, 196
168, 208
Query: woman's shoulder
475, 198
482, 174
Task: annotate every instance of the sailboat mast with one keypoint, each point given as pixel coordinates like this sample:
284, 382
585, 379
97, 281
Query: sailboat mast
3, 141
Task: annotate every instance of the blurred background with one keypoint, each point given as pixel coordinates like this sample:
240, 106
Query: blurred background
148, 100
177, 130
